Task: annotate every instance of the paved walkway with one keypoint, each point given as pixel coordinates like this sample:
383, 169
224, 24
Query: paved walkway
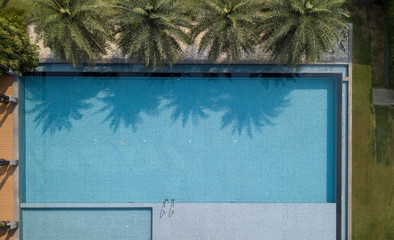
383, 96
6, 152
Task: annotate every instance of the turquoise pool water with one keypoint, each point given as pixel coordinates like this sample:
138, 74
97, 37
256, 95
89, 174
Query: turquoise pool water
87, 223
119, 140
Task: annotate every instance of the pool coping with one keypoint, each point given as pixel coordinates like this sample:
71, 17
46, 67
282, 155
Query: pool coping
340, 80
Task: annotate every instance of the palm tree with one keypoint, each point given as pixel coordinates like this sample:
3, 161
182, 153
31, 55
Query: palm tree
227, 26
297, 31
152, 31
75, 30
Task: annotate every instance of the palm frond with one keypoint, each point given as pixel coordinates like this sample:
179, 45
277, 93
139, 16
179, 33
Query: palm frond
75, 30
301, 30
152, 31
227, 27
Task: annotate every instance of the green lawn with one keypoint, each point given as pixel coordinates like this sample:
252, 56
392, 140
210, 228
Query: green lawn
384, 135
373, 134
373, 171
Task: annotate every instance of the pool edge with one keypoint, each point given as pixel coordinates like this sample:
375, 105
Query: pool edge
16, 156
348, 142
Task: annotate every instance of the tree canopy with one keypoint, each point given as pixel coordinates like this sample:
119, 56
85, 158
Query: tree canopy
75, 30
16, 51
227, 26
155, 32
297, 31
152, 31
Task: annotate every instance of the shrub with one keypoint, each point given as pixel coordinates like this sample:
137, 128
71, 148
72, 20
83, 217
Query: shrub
16, 51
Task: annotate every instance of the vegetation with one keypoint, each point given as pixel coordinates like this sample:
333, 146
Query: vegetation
384, 135
301, 30
373, 172
22, 4
152, 31
227, 26
75, 30
368, 40
373, 135
389, 7
16, 52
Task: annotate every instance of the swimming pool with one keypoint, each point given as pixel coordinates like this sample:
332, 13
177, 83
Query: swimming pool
265, 145
193, 139
87, 223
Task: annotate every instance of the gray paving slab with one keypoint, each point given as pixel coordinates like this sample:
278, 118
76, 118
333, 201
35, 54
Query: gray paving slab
383, 96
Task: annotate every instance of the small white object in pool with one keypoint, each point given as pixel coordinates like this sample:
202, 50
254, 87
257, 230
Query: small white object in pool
144, 140
235, 140
190, 141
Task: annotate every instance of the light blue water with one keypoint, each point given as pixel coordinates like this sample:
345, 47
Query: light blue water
83, 224
195, 140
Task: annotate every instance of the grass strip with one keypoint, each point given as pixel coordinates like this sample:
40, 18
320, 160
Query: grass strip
373, 178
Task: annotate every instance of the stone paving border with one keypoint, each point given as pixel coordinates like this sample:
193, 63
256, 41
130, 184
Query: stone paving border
383, 96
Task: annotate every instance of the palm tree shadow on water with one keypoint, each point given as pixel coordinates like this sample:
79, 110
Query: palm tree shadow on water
245, 106
126, 100
54, 108
189, 101
251, 106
